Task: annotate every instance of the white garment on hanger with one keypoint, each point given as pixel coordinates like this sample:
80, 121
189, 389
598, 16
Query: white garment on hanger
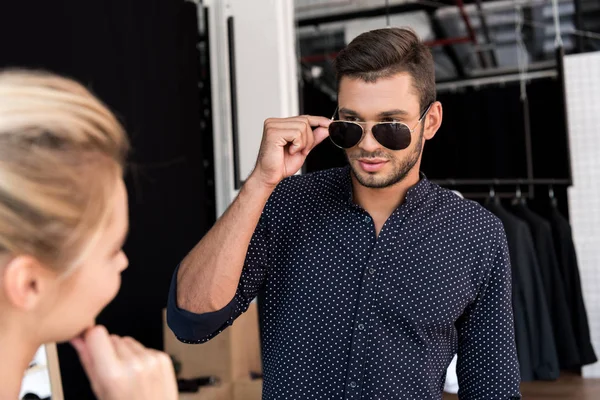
451, 385
459, 194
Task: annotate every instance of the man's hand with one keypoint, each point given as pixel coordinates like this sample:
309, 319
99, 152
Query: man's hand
122, 369
285, 144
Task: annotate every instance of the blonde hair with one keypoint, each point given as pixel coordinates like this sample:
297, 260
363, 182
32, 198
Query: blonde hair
61, 155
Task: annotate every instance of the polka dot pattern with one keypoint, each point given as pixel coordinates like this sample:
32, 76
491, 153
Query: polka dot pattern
349, 315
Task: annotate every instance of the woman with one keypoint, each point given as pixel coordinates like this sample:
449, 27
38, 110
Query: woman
63, 221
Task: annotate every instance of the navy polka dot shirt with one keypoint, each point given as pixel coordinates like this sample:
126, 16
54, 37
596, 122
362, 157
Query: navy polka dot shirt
348, 315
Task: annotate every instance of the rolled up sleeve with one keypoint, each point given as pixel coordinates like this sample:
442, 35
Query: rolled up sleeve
189, 327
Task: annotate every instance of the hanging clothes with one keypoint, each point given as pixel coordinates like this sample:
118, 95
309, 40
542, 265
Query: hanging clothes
567, 258
451, 383
536, 347
566, 346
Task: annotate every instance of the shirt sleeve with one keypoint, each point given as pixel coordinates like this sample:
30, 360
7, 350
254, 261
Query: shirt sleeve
198, 328
488, 368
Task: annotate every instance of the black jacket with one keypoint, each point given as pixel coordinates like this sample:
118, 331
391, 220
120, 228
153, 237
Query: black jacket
533, 327
566, 346
565, 251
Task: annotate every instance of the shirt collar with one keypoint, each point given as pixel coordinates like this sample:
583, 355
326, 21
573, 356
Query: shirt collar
414, 195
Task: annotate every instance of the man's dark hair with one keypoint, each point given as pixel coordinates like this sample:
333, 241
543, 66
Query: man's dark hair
383, 53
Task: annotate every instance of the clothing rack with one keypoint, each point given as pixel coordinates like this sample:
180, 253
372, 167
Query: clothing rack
529, 181
495, 80
493, 183
502, 182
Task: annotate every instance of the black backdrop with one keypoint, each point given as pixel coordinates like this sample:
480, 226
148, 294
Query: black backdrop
140, 58
482, 137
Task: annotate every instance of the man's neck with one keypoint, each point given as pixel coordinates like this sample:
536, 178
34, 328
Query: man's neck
381, 203
16, 354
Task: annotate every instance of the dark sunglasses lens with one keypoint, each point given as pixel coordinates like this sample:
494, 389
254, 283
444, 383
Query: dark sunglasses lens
393, 136
345, 134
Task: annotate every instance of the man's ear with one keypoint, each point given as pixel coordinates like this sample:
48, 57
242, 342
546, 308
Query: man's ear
433, 120
24, 280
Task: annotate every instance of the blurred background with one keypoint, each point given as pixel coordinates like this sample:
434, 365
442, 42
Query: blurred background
193, 81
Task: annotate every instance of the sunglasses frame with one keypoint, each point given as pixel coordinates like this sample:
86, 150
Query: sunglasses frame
423, 115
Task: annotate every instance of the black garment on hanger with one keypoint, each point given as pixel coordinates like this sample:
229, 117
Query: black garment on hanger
536, 347
566, 346
565, 251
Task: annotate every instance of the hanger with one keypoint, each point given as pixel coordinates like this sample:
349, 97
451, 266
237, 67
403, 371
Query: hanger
553, 202
387, 14
493, 198
519, 199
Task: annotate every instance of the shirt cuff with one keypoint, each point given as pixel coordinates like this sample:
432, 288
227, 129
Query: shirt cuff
192, 327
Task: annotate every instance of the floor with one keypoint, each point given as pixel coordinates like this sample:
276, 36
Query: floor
568, 387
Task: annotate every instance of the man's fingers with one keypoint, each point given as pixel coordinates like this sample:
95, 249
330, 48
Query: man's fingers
310, 140
298, 144
306, 139
293, 136
316, 121
284, 137
312, 120
299, 124
320, 134
317, 136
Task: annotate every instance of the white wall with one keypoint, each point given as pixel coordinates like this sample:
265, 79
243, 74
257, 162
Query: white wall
317, 8
417, 20
266, 81
582, 77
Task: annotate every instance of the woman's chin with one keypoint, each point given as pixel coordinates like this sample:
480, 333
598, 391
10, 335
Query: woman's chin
67, 337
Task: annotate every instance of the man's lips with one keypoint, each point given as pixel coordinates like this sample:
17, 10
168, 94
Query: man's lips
372, 164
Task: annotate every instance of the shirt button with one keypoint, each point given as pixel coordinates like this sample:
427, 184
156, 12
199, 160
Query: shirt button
367, 219
372, 271
361, 327
352, 384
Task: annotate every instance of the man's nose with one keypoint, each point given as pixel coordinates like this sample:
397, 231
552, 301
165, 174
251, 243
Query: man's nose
368, 142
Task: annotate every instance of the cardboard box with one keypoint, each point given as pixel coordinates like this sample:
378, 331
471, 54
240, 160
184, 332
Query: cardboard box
247, 390
231, 356
221, 392
240, 390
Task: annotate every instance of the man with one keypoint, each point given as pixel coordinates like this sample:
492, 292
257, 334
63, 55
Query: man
373, 277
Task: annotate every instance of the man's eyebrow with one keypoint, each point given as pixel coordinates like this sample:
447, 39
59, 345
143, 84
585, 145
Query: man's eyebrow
391, 113
347, 111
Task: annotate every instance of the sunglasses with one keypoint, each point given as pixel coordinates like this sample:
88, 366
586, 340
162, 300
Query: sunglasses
392, 135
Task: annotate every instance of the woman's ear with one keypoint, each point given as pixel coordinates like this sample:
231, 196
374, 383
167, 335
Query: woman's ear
433, 120
24, 281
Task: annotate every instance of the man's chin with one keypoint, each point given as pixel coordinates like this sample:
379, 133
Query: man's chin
373, 180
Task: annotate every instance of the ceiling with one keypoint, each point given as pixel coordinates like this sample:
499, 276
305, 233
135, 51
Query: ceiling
476, 39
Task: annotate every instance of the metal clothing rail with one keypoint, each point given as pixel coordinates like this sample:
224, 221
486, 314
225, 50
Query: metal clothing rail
530, 181
494, 80
493, 184
502, 182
